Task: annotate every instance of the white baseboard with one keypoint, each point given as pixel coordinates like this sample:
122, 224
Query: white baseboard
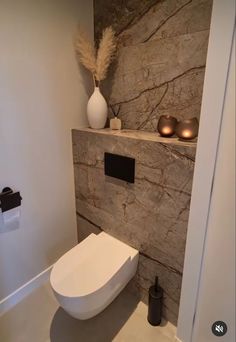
16, 296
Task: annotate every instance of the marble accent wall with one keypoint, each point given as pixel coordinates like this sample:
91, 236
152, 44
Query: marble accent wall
150, 215
160, 65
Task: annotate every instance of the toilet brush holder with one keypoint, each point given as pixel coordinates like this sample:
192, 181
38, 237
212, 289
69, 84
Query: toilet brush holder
155, 304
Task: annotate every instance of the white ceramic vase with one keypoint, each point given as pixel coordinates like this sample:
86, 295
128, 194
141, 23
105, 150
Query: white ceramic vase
97, 110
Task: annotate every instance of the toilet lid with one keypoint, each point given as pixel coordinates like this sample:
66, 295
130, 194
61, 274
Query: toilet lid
89, 265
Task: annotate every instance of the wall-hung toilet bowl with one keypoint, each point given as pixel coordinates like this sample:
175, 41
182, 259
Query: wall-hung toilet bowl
86, 279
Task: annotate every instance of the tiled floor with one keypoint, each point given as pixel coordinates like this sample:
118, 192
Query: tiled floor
39, 319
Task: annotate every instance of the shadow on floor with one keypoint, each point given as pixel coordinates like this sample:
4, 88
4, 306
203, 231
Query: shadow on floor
102, 328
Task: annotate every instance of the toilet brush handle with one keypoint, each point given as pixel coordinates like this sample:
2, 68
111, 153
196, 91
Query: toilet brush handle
156, 283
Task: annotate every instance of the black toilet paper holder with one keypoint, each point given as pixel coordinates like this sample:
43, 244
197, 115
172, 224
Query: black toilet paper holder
9, 199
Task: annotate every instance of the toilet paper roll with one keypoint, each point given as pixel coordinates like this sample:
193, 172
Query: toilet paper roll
10, 219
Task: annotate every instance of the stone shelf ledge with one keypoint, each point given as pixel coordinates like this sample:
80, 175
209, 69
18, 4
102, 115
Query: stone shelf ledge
140, 135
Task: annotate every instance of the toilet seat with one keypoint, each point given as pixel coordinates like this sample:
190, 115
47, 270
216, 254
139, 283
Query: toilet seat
89, 276
71, 275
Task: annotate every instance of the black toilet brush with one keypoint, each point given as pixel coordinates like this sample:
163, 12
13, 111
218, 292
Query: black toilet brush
155, 304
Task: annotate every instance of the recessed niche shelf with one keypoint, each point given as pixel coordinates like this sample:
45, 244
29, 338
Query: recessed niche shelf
140, 135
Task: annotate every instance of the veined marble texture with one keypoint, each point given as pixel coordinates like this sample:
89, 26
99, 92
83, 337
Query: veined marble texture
160, 64
150, 215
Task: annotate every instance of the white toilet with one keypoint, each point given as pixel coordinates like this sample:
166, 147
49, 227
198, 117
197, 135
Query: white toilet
89, 277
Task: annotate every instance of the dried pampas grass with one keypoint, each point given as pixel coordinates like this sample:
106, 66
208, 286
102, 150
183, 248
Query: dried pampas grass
85, 51
105, 53
98, 63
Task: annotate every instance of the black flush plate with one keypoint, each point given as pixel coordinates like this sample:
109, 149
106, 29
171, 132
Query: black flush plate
120, 167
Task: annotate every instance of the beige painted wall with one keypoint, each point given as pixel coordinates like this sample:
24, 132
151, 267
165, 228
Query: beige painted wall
42, 96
